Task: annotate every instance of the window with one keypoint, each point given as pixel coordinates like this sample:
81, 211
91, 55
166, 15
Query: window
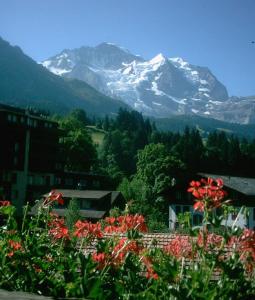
30, 180
181, 209
58, 180
185, 208
12, 118
15, 160
47, 180
178, 210
15, 194
29, 122
14, 178
58, 166
179, 195
82, 184
69, 181
16, 147
96, 184
85, 204
197, 219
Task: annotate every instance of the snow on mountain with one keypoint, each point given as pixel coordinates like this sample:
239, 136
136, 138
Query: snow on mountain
159, 87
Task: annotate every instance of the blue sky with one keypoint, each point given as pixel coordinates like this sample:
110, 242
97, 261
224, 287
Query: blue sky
213, 33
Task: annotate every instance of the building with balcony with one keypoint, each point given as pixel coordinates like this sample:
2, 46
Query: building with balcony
240, 190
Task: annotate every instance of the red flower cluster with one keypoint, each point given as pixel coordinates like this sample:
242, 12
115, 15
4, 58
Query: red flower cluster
15, 246
122, 224
54, 197
245, 245
150, 273
5, 203
88, 229
125, 246
209, 240
180, 247
118, 254
100, 258
209, 193
57, 228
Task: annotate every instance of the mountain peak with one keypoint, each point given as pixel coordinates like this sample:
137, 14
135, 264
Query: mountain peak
180, 62
111, 46
160, 86
160, 58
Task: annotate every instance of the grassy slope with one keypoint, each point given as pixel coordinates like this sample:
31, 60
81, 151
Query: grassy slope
97, 135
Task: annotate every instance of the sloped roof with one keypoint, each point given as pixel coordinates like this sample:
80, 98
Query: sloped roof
243, 185
86, 194
85, 213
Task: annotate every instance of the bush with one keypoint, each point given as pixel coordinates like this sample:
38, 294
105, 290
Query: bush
109, 260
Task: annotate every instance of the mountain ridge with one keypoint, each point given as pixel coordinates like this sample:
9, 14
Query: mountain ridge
159, 87
25, 83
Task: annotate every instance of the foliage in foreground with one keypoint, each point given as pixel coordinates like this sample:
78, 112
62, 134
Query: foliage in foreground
108, 260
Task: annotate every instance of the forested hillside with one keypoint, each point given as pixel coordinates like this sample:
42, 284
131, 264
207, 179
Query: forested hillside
144, 162
24, 83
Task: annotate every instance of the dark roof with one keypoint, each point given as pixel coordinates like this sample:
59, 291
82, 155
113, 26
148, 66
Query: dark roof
81, 194
243, 185
86, 194
85, 213
25, 112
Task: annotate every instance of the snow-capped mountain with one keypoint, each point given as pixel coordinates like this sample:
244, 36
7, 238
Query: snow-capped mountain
159, 87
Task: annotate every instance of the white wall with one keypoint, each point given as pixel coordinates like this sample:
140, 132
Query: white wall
242, 218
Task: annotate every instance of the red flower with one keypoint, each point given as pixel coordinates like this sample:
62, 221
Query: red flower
209, 240
199, 205
54, 196
110, 220
57, 228
5, 203
88, 229
98, 257
15, 246
59, 232
208, 192
37, 269
124, 223
150, 273
179, 247
245, 245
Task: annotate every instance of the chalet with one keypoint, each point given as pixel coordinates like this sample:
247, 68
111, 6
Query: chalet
241, 192
93, 204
